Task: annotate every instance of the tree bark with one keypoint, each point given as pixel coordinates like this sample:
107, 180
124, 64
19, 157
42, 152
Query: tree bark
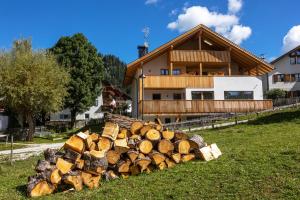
31, 126
73, 118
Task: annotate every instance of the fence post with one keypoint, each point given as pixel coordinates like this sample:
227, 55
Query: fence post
212, 124
11, 149
235, 118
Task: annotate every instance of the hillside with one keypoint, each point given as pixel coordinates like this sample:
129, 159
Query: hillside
261, 161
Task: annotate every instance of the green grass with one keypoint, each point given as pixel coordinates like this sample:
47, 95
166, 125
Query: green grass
261, 160
7, 146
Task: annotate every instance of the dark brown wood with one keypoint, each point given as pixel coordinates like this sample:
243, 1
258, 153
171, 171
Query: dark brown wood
38, 186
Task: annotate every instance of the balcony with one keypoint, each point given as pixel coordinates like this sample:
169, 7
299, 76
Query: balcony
178, 82
197, 56
186, 107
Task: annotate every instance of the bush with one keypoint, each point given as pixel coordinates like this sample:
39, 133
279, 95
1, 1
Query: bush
275, 94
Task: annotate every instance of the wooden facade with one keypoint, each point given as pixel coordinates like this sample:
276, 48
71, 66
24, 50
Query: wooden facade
203, 56
177, 82
188, 107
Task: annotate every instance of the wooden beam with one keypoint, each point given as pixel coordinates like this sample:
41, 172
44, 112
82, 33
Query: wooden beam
170, 64
200, 69
171, 68
229, 69
200, 40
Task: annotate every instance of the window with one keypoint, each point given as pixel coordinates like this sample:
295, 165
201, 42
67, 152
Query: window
202, 95
96, 102
156, 96
238, 94
278, 78
87, 116
164, 72
293, 60
176, 96
295, 57
298, 59
297, 77
167, 120
176, 72
63, 116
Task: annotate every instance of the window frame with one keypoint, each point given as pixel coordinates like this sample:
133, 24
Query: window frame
164, 72
176, 98
239, 97
176, 72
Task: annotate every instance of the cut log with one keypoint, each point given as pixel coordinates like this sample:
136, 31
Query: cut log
122, 121
110, 175
162, 166
82, 135
170, 163
188, 157
165, 147
71, 155
120, 145
157, 157
141, 155
95, 162
104, 144
169, 135
134, 170
37, 186
113, 157
176, 157
132, 154
182, 146
145, 129
136, 127
42, 165
123, 166
74, 179
205, 153
153, 135
196, 142
94, 137
215, 151
125, 175
79, 163
143, 163
149, 169
53, 176
91, 181
75, 143
180, 135
158, 121
122, 134
51, 155
110, 131
64, 166
159, 127
145, 146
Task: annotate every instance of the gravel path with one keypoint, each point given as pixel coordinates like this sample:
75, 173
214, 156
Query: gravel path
24, 153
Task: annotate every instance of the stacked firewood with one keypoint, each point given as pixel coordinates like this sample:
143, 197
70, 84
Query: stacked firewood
125, 147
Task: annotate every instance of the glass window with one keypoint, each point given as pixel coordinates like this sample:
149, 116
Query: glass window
156, 96
293, 60
238, 94
87, 116
63, 116
164, 72
297, 77
196, 95
176, 72
208, 95
96, 102
298, 59
167, 120
176, 96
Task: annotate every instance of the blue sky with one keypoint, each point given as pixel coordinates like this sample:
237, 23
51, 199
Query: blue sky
115, 26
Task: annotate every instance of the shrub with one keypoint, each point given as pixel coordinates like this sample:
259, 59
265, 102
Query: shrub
275, 94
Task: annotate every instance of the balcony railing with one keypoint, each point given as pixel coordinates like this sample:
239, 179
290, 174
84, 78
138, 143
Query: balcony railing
180, 81
200, 56
203, 106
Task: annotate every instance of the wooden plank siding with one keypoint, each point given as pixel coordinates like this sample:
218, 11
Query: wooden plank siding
200, 56
179, 82
185, 107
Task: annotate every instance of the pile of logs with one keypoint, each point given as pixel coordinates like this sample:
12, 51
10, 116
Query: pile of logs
125, 147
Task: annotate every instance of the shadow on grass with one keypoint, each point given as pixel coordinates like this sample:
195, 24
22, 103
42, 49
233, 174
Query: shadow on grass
22, 189
277, 118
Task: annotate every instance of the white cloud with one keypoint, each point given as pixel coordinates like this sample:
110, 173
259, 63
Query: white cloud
234, 6
226, 24
173, 12
291, 39
148, 2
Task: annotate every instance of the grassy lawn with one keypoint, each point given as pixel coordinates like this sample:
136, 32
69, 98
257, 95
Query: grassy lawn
4, 146
261, 161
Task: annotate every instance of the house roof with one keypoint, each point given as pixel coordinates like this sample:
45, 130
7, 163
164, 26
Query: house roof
280, 57
133, 66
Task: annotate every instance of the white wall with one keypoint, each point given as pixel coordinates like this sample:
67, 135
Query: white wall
283, 66
91, 111
3, 122
153, 67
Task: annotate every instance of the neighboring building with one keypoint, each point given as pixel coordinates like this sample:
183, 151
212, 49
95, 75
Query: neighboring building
3, 118
286, 73
197, 73
102, 104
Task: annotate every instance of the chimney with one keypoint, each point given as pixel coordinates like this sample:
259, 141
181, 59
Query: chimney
142, 49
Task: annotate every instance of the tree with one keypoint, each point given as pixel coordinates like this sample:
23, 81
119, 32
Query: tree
275, 94
85, 66
31, 82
